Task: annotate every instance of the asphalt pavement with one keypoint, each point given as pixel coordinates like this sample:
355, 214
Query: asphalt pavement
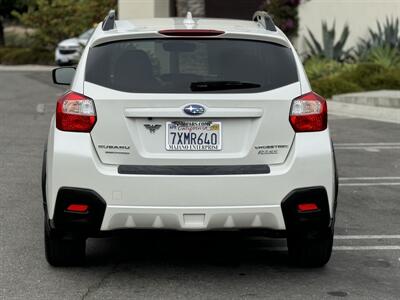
365, 262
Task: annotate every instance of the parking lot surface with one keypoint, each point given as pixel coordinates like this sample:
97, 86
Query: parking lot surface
365, 262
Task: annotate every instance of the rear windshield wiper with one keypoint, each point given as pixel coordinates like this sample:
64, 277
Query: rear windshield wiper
221, 85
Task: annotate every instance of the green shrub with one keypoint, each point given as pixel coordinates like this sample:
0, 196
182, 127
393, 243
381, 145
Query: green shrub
361, 77
386, 80
384, 56
17, 40
335, 85
21, 56
317, 68
369, 76
56, 20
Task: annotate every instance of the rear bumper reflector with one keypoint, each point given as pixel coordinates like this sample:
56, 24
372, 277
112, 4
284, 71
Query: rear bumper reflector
77, 208
194, 170
78, 211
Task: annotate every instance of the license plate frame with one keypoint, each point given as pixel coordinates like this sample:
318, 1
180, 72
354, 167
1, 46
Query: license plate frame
204, 130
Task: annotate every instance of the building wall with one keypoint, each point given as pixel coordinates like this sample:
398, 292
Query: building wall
131, 9
359, 14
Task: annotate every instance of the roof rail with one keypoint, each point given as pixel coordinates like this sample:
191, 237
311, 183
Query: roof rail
263, 18
109, 21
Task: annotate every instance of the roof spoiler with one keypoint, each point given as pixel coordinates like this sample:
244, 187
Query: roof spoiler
263, 18
109, 21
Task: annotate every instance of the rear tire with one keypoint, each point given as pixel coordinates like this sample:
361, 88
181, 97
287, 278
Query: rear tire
62, 251
310, 252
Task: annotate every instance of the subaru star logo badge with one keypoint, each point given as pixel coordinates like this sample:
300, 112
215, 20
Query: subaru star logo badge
194, 109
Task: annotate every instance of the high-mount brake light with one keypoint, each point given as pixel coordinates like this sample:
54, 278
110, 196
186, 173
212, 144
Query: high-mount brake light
75, 112
308, 113
191, 32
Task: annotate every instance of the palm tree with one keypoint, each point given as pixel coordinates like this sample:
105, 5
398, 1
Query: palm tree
196, 7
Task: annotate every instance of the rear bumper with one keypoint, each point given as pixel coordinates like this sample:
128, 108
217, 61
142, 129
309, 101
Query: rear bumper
101, 217
192, 218
193, 202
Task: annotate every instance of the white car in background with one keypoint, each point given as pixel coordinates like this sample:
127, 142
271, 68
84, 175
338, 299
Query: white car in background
68, 52
191, 125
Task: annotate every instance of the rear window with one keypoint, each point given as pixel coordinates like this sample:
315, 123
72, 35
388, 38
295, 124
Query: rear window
191, 66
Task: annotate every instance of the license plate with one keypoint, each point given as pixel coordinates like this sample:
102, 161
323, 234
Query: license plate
193, 136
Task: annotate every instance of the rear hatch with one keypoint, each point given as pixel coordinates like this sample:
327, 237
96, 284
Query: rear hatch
204, 101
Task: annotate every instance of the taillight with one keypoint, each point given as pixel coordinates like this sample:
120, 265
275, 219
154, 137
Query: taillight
75, 112
309, 113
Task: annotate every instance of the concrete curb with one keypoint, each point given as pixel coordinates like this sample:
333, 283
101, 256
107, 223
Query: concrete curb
382, 98
382, 114
26, 68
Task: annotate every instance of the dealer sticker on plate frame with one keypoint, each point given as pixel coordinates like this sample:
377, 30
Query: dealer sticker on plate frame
193, 136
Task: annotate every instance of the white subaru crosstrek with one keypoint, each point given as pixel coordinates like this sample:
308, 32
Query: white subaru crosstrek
192, 125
